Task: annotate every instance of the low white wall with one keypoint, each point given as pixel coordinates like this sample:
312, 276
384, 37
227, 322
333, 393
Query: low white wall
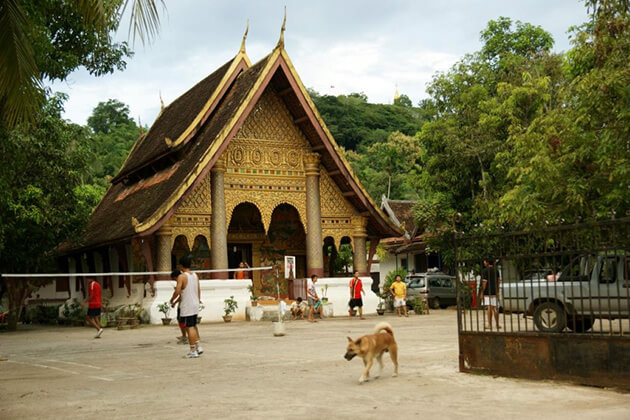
213, 292
338, 294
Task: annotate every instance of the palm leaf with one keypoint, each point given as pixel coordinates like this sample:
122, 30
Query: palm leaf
20, 86
144, 21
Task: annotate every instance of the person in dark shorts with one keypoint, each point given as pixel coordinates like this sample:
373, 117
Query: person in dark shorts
95, 304
356, 301
188, 293
183, 338
313, 299
490, 287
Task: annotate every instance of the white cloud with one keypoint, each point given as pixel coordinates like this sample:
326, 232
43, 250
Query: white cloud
354, 45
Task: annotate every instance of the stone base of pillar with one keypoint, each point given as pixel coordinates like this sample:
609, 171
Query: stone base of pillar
319, 272
220, 275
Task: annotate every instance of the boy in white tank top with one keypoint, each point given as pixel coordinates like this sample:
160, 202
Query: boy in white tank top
189, 294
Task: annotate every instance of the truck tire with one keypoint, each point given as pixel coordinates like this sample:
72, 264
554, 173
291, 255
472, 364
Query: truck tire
435, 303
549, 317
581, 324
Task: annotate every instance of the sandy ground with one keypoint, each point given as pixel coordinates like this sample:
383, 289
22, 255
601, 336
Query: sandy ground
247, 373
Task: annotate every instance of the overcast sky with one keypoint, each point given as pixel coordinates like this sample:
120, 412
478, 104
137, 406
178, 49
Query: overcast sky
337, 46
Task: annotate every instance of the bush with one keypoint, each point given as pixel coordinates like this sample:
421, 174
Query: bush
73, 311
43, 314
389, 279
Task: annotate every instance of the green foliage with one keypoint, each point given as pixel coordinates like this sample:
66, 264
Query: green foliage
230, 306
43, 314
403, 100
114, 134
524, 137
390, 168
73, 311
48, 39
165, 308
391, 278
43, 201
344, 259
356, 124
420, 305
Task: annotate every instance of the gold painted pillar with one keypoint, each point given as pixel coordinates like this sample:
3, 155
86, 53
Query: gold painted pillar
218, 228
359, 239
164, 240
314, 251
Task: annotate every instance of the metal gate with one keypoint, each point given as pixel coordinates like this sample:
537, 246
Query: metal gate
560, 308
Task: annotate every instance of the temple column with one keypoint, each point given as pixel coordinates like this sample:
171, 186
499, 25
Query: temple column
359, 239
314, 251
218, 228
164, 240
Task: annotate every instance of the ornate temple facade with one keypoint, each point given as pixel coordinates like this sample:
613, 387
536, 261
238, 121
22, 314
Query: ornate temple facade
241, 167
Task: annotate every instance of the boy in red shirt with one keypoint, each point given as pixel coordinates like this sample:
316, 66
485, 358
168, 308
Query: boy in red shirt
94, 306
356, 288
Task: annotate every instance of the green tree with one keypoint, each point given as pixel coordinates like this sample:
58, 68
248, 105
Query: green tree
47, 39
403, 100
113, 136
391, 168
572, 160
356, 124
469, 129
44, 201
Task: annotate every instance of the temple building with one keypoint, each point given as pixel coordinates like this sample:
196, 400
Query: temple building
241, 167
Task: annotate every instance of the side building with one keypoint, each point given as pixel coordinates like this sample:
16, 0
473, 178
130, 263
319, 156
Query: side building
406, 251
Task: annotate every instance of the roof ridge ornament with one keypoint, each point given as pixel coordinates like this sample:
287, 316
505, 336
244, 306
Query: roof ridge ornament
242, 50
282, 29
161, 102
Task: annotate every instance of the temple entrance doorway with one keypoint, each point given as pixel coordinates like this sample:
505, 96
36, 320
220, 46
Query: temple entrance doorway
286, 236
238, 253
246, 233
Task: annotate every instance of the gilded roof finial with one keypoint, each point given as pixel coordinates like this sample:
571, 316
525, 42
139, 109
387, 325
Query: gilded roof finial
284, 27
161, 102
140, 126
242, 50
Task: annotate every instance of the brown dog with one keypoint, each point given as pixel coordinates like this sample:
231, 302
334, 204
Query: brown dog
374, 345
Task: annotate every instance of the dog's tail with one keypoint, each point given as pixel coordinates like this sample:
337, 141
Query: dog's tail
383, 326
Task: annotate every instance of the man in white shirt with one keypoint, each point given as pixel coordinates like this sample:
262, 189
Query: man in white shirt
189, 293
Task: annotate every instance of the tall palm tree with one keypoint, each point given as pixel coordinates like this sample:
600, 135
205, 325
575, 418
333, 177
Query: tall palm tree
21, 89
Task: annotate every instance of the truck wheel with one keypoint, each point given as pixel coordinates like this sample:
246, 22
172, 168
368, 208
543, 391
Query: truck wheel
435, 303
582, 323
550, 317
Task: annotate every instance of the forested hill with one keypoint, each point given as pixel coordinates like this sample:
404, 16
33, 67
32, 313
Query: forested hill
357, 124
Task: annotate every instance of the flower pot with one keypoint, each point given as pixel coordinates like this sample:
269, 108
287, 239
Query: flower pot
380, 311
198, 320
166, 321
254, 303
227, 318
325, 300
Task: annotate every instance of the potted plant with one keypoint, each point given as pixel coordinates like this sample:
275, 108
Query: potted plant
201, 308
128, 316
252, 297
420, 306
165, 308
230, 308
380, 308
324, 297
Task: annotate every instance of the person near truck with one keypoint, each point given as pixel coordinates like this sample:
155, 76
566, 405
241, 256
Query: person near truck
490, 283
398, 289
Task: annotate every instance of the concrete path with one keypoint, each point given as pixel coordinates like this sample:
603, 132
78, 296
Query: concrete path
247, 373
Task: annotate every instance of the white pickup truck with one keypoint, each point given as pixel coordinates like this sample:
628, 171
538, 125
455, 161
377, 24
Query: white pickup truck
590, 287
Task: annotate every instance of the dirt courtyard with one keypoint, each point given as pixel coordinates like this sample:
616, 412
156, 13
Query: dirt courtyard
246, 372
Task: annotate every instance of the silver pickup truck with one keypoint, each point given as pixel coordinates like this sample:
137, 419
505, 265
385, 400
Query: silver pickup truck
590, 287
